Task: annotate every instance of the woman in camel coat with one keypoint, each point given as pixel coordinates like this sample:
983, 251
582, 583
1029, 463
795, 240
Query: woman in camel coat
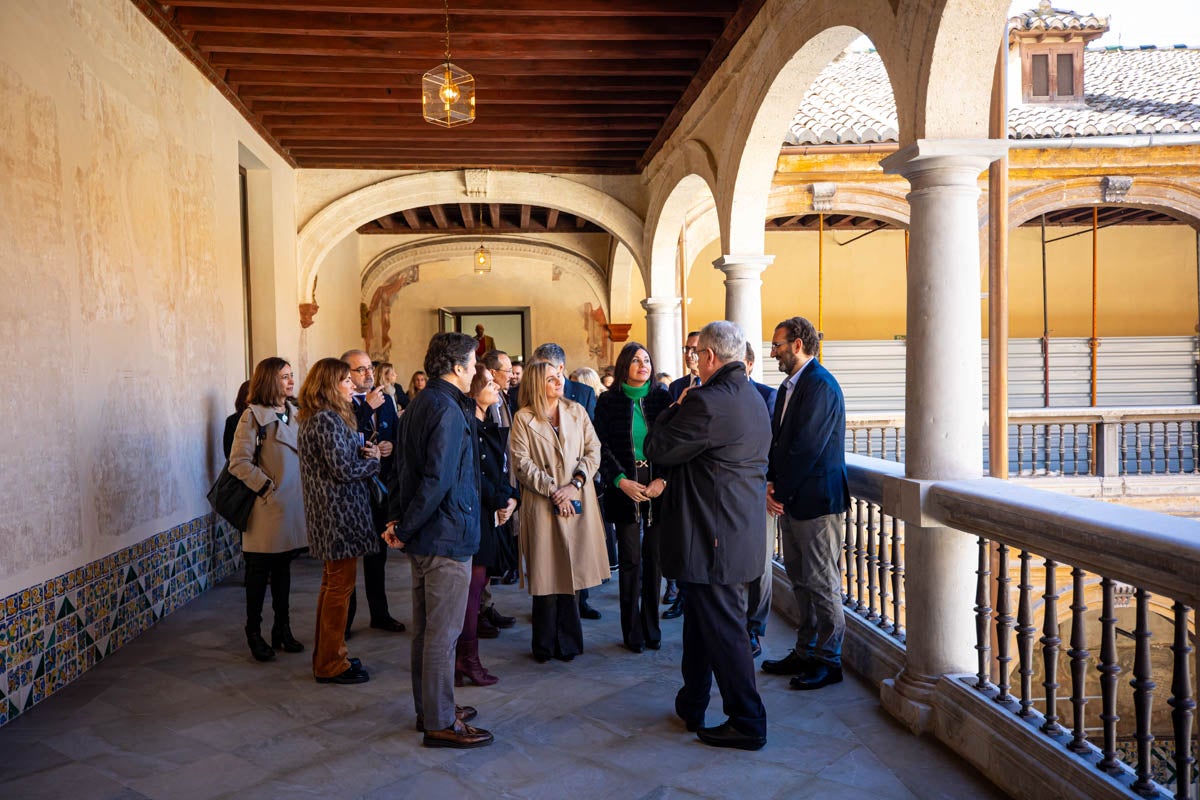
555, 454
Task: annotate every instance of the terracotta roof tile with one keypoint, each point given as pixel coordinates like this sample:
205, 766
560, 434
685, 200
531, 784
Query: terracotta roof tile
1125, 92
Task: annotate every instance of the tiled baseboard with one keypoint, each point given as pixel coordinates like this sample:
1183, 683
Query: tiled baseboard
53, 632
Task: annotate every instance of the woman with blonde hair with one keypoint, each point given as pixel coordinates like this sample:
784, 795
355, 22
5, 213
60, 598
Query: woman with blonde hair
335, 466
264, 456
555, 453
589, 377
416, 383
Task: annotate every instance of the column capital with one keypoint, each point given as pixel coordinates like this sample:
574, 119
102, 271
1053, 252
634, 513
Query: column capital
661, 305
736, 266
954, 160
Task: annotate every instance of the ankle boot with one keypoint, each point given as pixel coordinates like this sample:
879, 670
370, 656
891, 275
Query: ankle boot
282, 638
258, 645
467, 666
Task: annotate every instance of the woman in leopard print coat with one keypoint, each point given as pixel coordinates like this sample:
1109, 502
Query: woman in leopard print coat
334, 470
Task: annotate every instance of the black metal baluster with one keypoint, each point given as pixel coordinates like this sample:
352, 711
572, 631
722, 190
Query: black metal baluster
983, 614
1079, 657
897, 580
1050, 643
872, 564
1004, 623
1143, 696
1109, 669
885, 571
1025, 631
1182, 706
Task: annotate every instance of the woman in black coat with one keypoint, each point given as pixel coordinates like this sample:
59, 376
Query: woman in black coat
624, 416
497, 501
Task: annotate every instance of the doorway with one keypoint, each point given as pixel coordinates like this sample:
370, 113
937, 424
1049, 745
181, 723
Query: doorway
508, 327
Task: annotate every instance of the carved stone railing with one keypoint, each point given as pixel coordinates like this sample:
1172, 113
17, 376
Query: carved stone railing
1105, 442
1062, 585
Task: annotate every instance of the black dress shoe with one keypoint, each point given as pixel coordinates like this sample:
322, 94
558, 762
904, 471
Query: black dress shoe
675, 611
496, 618
390, 625
484, 629
350, 676
541, 658
587, 612
565, 656
755, 646
634, 648
654, 645
791, 664
823, 675
725, 735
671, 594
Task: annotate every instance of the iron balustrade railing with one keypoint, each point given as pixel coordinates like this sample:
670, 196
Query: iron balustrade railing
1072, 596
1106, 442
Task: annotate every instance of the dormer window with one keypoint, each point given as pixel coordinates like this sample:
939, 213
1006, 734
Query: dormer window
1048, 44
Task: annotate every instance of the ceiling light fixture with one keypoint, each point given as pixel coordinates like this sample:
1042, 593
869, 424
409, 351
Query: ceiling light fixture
447, 90
483, 256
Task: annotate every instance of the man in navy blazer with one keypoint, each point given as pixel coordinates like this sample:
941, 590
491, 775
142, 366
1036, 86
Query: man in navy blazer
807, 490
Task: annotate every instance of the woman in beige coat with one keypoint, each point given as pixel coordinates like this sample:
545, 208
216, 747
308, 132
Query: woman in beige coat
555, 453
276, 530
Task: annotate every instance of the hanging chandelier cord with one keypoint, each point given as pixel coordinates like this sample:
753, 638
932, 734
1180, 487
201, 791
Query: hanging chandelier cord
446, 8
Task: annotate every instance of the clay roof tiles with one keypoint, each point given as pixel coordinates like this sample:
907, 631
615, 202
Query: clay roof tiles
1139, 91
1045, 18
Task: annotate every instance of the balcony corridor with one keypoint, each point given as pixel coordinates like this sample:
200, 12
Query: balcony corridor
183, 712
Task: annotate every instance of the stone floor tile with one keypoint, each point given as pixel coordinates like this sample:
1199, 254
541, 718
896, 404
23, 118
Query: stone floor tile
71, 780
207, 778
861, 769
20, 758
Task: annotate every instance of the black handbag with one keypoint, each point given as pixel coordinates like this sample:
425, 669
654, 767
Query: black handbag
232, 499
379, 502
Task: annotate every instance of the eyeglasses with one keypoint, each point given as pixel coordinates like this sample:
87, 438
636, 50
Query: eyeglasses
363, 370
688, 349
776, 345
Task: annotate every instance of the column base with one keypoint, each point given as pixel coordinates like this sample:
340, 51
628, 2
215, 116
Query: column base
909, 698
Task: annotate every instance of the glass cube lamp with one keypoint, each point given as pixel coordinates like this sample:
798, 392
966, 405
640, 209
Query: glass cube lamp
448, 96
483, 260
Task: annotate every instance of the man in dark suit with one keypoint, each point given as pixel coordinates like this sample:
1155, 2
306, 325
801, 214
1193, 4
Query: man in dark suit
713, 443
586, 396
807, 490
379, 422
758, 591
691, 374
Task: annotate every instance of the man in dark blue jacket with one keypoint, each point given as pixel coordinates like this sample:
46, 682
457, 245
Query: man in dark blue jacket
378, 422
435, 519
808, 491
713, 443
758, 592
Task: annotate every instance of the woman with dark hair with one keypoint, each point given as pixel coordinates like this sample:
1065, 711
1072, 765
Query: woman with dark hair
555, 453
276, 530
624, 416
231, 422
497, 501
335, 465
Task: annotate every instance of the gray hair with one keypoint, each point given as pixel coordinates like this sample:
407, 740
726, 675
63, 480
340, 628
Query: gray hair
725, 339
550, 352
355, 352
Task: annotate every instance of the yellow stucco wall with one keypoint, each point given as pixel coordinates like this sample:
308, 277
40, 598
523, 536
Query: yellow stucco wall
1147, 284
121, 261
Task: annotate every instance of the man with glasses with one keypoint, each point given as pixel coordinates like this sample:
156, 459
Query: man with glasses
691, 367
808, 492
378, 422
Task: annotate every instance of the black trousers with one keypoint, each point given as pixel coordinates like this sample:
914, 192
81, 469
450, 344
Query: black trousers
716, 644
374, 570
638, 576
261, 569
557, 630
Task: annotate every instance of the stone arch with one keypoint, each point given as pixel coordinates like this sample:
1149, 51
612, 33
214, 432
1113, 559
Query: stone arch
623, 279
881, 202
342, 216
1166, 195
396, 260
688, 180
952, 81
788, 68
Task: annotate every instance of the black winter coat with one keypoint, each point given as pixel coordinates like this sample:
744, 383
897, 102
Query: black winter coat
495, 489
713, 446
614, 429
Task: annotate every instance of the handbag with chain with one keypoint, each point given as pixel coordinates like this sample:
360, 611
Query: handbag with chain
232, 499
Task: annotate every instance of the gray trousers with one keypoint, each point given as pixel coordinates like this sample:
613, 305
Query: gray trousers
758, 591
811, 549
439, 588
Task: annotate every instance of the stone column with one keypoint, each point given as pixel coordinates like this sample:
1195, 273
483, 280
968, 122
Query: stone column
943, 409
743, 296
662, 333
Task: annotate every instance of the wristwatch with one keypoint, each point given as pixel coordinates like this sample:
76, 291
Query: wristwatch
578, 484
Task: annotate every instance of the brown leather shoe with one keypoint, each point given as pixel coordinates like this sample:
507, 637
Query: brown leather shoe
460, 735
464, 713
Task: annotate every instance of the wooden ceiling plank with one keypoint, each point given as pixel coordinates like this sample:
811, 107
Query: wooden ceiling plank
467, 214
286, 133
401, 62
494, 211
525, 212
551, 27
515, 111
411, 82
551, 218
412, 218
439, 217
410, 123
563, 8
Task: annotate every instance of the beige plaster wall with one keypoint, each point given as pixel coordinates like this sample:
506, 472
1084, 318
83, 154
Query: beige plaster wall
337, 327
1147, 284
594, 246
557, 307
121, 321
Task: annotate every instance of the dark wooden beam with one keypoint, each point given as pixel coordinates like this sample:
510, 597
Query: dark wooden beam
484, 127
388, 223
287, 133
525, 210
439, 217
494, 210
515, 8
526, 111
551, 218
411, 81
402, 63
412, 218
468, 215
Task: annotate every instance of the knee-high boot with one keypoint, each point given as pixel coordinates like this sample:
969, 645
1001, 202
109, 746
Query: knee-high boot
467, 666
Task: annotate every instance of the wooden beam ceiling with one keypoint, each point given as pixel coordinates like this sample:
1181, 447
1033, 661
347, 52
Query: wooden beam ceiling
491, 218
597, 84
